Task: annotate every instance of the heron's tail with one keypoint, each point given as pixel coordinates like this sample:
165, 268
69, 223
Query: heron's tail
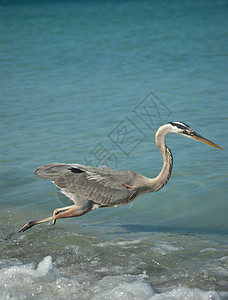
51, 171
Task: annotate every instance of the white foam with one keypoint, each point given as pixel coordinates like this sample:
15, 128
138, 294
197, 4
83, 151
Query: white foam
118, 243
45, 267
123, 287
127, 291
139, 290
210, 250
18, 280
24, 281
164, 248
184, 293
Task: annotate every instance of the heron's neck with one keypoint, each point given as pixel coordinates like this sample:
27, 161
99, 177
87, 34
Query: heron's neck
158, 182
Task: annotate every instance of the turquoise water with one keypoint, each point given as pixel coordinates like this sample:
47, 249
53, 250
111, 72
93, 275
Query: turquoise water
90, 83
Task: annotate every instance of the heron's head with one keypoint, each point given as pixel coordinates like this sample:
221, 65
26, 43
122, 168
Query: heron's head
185, 130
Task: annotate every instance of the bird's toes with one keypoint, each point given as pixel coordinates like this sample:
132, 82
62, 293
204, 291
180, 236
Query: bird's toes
27, 226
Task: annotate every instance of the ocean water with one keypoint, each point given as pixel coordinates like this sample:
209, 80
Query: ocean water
90, 82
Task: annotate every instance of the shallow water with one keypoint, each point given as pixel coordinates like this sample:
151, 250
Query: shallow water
61, 263
90, 82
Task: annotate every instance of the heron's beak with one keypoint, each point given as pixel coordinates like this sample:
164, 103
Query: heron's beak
202, 139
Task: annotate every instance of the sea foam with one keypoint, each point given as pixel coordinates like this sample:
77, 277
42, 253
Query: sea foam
23, 281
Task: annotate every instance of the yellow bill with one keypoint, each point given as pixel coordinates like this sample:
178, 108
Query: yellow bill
202, 139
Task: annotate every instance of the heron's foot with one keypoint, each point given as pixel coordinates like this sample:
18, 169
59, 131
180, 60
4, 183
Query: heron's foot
27, 226
8, 237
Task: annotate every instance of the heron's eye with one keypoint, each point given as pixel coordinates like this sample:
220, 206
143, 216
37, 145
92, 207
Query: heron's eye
185, 132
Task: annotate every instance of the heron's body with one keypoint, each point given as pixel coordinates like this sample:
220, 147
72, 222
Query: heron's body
91, 187
101, 186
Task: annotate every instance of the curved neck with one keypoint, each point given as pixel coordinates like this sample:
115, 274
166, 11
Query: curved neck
158, 182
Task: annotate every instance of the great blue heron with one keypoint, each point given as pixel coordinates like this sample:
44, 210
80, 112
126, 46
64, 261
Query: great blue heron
91, 187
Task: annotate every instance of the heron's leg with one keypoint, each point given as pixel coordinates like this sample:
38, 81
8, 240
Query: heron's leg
32, 223
71, 211
58, 210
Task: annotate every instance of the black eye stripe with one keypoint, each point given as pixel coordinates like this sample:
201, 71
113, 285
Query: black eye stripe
180, 125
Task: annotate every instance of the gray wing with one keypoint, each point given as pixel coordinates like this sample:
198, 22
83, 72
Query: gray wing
103, 186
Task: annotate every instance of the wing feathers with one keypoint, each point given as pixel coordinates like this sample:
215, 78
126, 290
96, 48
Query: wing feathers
100, 185
75, 170
51, 171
